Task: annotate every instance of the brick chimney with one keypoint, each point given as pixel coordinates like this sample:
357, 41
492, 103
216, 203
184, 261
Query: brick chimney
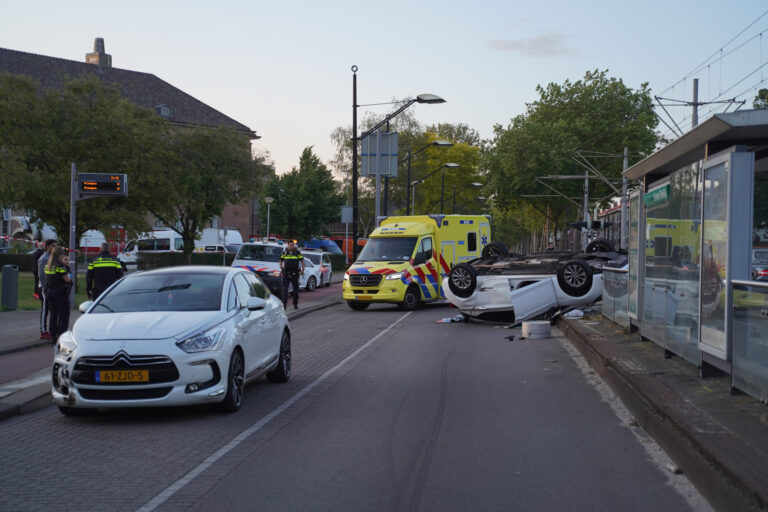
99, 56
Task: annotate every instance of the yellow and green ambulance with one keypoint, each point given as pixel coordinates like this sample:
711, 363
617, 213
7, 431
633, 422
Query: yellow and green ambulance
405, 258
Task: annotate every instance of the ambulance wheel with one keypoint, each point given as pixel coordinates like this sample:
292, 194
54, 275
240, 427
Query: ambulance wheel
495, 250
575, 278
599, 245
462, 280
411, 299
358, 306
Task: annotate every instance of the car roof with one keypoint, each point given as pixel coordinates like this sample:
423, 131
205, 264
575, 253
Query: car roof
192, 269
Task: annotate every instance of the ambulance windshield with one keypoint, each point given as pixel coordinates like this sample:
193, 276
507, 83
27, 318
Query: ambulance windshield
388, 249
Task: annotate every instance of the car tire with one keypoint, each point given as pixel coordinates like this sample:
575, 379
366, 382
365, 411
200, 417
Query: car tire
311, 284
76, 411
357, 306
599, 245
575, 278
495, 250
282, 371
235, 383
462, 280
411, 299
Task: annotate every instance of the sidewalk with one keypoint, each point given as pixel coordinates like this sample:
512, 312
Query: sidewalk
20, 331
718, 439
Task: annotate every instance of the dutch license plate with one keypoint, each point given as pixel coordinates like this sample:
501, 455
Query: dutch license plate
109, 376
364, 297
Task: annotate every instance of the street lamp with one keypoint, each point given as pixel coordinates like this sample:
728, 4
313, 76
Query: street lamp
442, 183
421, 98
473, 184
438, 143
450, 165
268, 200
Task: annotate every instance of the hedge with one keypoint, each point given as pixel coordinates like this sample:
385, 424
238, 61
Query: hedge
25, 262
338, 262
149, 261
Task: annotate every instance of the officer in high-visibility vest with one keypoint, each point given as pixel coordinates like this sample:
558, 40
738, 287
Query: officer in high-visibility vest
292, 265
102, 272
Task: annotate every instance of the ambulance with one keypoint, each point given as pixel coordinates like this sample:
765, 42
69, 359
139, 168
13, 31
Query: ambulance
406, 258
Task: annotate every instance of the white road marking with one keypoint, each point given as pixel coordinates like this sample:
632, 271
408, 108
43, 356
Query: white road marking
166, 494
679, 482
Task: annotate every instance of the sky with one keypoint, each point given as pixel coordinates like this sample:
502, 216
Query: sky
283, 68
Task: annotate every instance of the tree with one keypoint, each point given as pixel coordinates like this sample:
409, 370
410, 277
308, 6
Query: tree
761, 100
306, 198
87, 124
597, 113
207, 169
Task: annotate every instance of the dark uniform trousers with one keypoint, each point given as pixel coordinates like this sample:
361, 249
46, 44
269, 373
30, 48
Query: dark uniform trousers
58, 301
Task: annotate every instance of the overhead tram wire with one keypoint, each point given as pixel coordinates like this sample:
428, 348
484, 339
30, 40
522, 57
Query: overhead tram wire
707, 61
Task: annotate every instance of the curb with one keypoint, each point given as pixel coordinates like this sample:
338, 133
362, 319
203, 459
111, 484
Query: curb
21, 348
719, 473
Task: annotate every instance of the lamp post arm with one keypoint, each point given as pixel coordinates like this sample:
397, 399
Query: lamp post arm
387, 119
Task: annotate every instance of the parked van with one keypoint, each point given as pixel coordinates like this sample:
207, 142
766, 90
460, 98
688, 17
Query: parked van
406, 258
162, 240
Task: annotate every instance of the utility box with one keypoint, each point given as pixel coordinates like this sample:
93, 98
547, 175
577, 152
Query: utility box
10, 288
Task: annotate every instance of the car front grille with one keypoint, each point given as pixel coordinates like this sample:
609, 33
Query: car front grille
124, 394
161, 368
365, 280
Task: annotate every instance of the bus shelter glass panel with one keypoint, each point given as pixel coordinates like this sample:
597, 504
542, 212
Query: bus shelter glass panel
634, 254
750, 339
714, 253
656, 249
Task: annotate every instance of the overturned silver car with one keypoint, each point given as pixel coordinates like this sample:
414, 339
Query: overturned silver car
511, 288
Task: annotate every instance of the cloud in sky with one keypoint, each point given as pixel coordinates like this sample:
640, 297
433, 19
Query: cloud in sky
547, 45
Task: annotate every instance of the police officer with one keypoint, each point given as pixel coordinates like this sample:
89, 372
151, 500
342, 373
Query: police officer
102, 272
292, 265
58, 279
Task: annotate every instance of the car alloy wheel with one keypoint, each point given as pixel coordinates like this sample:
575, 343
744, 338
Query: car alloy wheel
311, 283
235, 383
282, 371
462, 280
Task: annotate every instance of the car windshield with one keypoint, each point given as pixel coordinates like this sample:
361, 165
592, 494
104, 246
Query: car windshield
259, 253
313, 257
388, 249
163, 292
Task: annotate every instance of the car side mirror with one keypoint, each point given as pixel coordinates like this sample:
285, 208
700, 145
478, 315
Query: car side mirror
255, 303
85, 306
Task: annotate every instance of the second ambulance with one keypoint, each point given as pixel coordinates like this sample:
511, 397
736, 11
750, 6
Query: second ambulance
406, 258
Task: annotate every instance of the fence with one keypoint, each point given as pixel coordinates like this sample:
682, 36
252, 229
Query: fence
615, 298
749, 371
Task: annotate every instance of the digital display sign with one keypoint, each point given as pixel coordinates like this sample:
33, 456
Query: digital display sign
102, 184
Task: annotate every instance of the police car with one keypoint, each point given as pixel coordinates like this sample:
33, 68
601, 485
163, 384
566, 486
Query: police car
263, 258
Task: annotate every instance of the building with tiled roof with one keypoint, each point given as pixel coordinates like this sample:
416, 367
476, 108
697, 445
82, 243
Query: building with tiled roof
144, 90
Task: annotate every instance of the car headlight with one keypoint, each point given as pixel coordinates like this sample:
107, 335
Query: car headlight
66, 344
204, 342
275, 273
346, 276
396, 275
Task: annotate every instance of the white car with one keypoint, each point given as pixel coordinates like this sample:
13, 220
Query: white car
516, 289
172, 336
323, 261
263, 259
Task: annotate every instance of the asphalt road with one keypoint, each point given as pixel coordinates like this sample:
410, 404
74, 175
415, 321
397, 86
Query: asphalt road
386, 410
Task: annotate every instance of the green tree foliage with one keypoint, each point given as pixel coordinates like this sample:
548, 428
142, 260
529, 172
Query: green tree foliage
305, 199
207, 169
761, 100
597, 114
44, 132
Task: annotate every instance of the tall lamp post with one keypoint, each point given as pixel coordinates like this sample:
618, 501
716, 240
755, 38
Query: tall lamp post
450, 165
442, 183
438, 143
421, 98
473, 184
268, 200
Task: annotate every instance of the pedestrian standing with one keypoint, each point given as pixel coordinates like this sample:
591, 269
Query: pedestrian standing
50, 246
292, 266
58, 280
35, 256
102, 272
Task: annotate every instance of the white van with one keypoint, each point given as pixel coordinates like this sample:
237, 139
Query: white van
219, 237
162, 240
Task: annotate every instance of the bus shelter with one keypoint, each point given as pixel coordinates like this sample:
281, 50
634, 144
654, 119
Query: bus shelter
698, 221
